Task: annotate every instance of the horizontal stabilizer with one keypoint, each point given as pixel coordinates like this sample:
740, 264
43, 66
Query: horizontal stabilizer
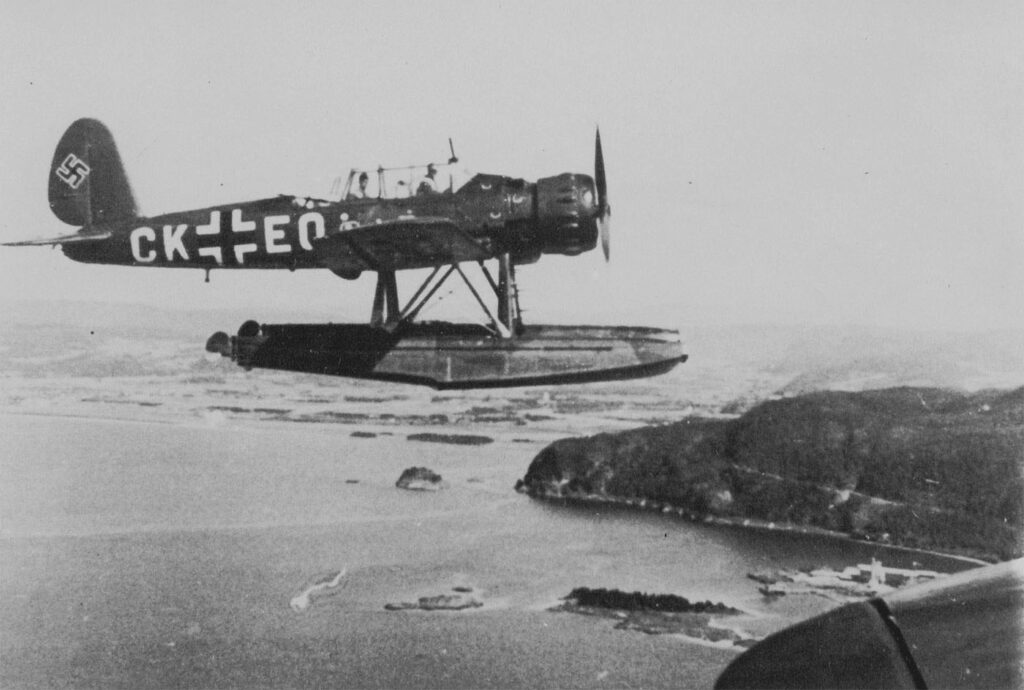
66, 239
398, 245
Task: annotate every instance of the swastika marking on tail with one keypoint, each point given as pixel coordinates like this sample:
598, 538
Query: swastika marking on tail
73, 171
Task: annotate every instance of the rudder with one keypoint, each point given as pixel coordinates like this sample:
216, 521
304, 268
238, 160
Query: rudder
88, 185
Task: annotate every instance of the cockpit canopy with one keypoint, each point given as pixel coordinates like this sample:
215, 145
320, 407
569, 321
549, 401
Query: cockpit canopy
401, 182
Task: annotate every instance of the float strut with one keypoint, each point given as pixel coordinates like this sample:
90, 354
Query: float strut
508, 295
500, 327
385, 300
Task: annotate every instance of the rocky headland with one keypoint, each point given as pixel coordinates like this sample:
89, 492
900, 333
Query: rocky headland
919, 467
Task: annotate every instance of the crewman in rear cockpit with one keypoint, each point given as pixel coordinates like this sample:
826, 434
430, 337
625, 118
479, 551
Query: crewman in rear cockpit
428, 185
360, 193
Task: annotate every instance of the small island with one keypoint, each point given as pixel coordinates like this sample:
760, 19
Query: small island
925, 468
853, 583
655, 614
420, 479
456, 439
321, 587
461, 599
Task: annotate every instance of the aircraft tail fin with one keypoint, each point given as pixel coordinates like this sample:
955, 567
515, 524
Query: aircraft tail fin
88, 185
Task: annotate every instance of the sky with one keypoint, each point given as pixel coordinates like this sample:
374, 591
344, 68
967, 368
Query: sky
784, 162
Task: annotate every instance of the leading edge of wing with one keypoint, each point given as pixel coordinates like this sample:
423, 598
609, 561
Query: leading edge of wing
397, 245
65, 239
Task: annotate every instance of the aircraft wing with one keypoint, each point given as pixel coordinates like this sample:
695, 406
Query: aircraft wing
398, 245
65, 239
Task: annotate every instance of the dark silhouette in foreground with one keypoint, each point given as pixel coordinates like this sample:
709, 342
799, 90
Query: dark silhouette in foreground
963, 631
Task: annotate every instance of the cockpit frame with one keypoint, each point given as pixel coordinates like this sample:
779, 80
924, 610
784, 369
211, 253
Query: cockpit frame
388, 188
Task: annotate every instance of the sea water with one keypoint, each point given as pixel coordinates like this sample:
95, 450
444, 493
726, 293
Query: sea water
145, 554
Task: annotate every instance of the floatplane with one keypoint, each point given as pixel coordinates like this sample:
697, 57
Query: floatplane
379, 220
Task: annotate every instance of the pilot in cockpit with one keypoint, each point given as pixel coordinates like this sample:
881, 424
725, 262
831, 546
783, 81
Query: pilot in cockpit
428, 185
360, 192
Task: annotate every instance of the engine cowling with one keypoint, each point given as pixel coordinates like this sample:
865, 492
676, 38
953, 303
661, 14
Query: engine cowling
567, 211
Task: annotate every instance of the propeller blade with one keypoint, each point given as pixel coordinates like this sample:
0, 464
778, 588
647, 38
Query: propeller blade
602, 227
603, 208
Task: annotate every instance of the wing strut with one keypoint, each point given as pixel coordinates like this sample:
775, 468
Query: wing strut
507, 323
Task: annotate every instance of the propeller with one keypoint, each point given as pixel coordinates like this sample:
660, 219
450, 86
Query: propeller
603, 209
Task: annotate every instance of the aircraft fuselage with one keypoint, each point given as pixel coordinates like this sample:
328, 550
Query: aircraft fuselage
501, 214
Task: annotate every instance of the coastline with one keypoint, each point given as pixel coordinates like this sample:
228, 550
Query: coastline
652, 506
928, 470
